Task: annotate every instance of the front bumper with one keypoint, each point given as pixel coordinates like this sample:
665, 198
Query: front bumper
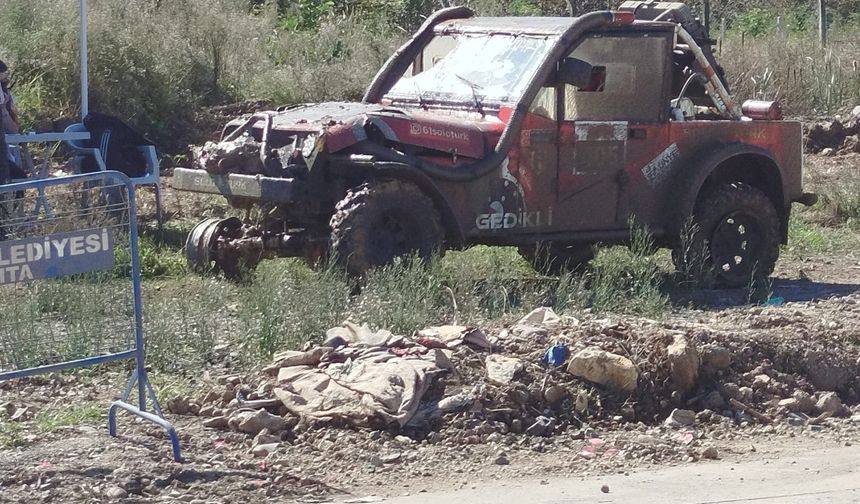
806, 199
254, 187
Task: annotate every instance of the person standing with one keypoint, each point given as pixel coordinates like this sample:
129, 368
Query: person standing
4, 149
9, 169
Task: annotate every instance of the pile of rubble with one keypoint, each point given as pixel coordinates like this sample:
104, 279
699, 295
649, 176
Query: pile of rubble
836, 136
544, 376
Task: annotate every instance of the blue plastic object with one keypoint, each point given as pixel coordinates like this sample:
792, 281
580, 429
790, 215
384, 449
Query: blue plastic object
556, 355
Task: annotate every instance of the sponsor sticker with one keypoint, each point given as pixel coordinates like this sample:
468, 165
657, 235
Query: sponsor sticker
416, 129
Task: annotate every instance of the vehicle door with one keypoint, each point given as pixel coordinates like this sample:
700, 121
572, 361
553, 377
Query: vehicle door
609, 125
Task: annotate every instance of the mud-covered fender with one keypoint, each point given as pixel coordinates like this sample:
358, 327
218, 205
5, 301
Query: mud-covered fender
693, 172
454, 233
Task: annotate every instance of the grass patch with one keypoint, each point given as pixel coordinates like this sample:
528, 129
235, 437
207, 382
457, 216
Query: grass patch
840, 203
11, 435
167, 386
287, 304
184, 320
806, 237
67, 415
628, 279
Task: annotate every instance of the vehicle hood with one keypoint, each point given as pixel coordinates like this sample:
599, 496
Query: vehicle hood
343, 124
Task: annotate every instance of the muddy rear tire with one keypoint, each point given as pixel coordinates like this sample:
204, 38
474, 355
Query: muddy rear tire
739, 229
554, 258
381, 220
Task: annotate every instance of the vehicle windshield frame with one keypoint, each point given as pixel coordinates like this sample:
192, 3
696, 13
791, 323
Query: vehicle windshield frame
455, 88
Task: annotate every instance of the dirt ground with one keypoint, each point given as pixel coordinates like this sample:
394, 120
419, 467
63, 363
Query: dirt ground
808, 340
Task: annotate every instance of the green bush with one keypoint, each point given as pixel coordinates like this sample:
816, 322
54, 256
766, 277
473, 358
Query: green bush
755, 22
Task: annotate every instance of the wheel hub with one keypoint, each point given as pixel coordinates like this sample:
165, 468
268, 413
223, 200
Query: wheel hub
735, 245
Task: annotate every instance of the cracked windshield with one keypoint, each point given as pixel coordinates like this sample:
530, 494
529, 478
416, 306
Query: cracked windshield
491, 68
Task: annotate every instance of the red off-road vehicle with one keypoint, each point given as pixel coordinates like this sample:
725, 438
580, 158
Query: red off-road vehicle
549, 134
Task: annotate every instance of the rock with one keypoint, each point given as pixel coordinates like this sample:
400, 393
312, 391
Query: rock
517, 426
855, 112
605, 368
115, 493
501, 460
804, 400
761, 381
252, 422
604, 488
799, 402
855, 419
264, 450
540, 317
390, 458
543, 426
265, 437
714, 401
852, 144
8, 408
683, 363
555, 393
218, 422
21, 415
529, 332
210, 397
731, 390
746, 394
260, 403
462, 400
829, 402
827, 372
178, 405
715, 358
231, 380
501, 370
193, 408
680, 418
710, 453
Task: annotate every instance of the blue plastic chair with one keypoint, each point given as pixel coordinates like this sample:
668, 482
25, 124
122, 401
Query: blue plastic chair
151, 177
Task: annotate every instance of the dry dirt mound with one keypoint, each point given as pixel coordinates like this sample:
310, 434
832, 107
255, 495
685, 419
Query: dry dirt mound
834, 136
547, 375
450, 404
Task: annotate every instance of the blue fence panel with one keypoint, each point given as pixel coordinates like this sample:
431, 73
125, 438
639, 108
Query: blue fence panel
70, 283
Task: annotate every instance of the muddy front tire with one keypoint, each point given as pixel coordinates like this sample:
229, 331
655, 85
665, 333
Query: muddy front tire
554, 258
738, 228
381, 220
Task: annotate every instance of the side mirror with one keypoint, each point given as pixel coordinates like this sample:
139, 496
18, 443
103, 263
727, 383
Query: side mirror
575, 72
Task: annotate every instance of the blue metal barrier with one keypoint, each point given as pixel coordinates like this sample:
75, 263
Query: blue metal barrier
70, 284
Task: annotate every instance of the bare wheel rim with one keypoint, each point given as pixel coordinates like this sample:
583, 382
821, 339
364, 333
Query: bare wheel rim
735, 246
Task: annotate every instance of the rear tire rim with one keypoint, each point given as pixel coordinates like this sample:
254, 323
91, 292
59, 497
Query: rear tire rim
736, 246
